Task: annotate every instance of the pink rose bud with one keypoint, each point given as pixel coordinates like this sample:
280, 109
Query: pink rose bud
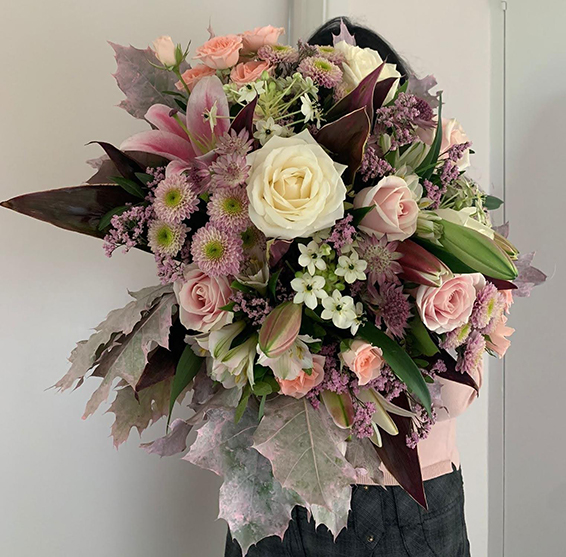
364, 360
260, 36
420, 266
301, 385
220, 52
280, 329
246, 72
193, 75
395, 210
165, 50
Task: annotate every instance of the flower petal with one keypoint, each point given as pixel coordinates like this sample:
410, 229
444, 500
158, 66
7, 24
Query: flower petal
162, 143
158, 115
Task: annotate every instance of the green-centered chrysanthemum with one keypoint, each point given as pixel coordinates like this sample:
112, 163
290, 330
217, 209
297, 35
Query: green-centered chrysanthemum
166, 238
174, 199
228, 209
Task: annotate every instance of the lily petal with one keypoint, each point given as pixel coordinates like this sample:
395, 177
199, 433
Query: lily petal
158, 115
208, 95
162, 143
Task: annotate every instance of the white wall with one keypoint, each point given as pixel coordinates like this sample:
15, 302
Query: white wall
64, 490
535, 373
451, 40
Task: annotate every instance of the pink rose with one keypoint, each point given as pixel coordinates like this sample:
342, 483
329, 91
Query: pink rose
498, 341
193, 75
248, 71
447, 307
255, 39
396, 211
301, 385
200, 298
452, 134
364, 360
220, 52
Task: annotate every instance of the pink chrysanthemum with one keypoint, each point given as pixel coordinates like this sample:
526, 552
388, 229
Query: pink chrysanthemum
457, 337
488, 305
175, 201
330, 53
321, 70
278, 53
253, 240
471, 357
217, 252
232, 143
381, 258
228, 209
165, 238
229, 170
394, 308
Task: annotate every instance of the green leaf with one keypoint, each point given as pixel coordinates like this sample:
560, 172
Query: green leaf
272, 284
400, 362
241, 287
262, 388
243, 404
359, 214
228, 307
491, 203
144, 178
261, 410
105, 220
424, 342
426, 168
187, 368
130, 186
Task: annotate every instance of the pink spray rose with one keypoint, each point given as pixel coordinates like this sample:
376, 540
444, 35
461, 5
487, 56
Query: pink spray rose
301, 385
193, 75
256, 38
445, 308
364, 360
498, 341
220, 52
452, 134
247, 72
396, 211
200, 298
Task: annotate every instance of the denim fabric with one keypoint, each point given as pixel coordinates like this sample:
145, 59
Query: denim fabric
382, 523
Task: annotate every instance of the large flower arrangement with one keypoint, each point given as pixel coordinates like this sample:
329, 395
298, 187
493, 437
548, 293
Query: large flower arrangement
324, 261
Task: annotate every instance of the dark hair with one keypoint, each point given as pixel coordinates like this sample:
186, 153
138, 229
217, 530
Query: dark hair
365, 38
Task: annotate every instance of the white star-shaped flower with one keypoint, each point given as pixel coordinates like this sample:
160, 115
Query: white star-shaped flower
340, 309
309, 290
351, 267
312, 257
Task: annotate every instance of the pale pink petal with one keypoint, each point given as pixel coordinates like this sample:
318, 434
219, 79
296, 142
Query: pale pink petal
158, 115
206, 93
166, 144
176, 167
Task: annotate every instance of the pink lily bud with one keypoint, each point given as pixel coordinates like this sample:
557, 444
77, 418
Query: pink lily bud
340, 407
420, 266
280, 329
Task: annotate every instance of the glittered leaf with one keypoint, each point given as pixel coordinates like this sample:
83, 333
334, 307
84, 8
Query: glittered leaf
128, 359
421, 88
362, 456
138, 410
336, 519
528, 277
252, 501
174, 442
343, 35
303, 446
119, 322
142, 83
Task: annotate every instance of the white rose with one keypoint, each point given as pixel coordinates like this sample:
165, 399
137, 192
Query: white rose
165, 50
295, 188
360, 62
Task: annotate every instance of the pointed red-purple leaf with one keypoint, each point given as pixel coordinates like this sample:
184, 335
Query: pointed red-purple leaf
400, 460
346, 139
451, 374
361, 96
107, 168
126, 165
77, 208
381, 91
501, 284
245, 118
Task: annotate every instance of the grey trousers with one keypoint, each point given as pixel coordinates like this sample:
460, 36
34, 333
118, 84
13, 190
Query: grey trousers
382, 523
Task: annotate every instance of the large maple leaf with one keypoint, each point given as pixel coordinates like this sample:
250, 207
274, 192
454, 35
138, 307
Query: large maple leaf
252, 501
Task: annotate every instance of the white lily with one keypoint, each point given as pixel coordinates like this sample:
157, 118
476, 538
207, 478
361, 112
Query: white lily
219, 341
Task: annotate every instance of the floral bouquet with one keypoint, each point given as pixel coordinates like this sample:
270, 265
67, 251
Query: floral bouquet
324, 260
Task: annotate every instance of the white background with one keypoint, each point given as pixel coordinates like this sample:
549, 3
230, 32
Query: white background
64, 490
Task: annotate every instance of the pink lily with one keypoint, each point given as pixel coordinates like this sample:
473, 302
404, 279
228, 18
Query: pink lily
207, 118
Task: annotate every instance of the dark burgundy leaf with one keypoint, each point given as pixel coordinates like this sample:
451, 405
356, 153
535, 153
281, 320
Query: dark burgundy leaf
501, 284
244, 118
77, 208
381, 91
402, 461
451, 374
361, 97
107, 168
346, 139
126, 165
